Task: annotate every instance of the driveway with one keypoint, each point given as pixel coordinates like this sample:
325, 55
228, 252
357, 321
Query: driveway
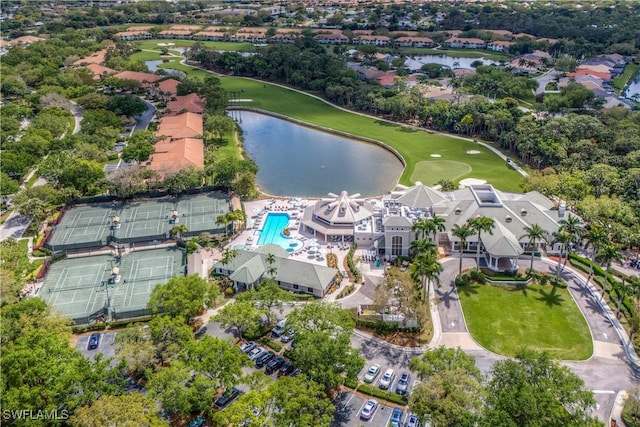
143, 120
14, 226
545, 79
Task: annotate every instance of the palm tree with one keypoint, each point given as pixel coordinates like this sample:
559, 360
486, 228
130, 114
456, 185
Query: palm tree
422, 227
462, 233
478, 225
424, 270
595, 237
178, 231
573, 226
223, 220
228, 255
623, 288
534, 233
271, 270
563, 237
438, 226
235, 216
418, 247
607, 254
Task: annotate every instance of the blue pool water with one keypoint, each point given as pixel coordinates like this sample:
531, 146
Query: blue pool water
271, 232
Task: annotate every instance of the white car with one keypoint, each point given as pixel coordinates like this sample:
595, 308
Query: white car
368, 409
256, 352
372, 373
387, 379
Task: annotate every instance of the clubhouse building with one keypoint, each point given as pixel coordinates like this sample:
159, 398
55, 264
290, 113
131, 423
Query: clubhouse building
385, 226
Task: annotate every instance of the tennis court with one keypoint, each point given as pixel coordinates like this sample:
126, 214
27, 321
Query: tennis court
145, 220
83, 226
80, 287
200, 212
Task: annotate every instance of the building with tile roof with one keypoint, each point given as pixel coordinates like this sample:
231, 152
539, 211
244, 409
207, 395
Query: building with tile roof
144, 79
248, 268
191, 103
100, 71
186, 125
171, 156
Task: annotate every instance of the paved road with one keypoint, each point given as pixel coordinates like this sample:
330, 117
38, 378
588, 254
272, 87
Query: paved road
544, 80
143, 120
14, 226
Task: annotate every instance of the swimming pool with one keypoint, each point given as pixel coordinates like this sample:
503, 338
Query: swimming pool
271, 232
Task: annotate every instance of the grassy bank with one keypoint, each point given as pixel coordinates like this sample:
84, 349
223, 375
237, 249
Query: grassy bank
629, 72
152, 44
539, 317
416, 147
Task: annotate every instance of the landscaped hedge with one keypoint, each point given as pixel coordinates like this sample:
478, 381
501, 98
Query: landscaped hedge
346, 291
87, 328
272, 344
383, 394
261, 331
357, 277
351, 383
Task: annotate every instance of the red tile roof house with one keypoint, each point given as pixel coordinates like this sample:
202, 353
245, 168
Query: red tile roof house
145, 79
99, 71
95, 58
171, 156
499, 46
414, 42
175, 34
465, 43
331, 39
186, 125
132, 35
166, 88
191, 103
215, 36
374, 40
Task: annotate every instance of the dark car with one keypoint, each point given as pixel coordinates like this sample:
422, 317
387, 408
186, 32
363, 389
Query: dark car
287, 336
197, 422
412, 421
264, 359
274, 365
396, 417
227, 397
296, 372
94, 341
286, 369
403, 383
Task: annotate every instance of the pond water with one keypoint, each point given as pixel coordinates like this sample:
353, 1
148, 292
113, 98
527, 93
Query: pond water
153, 67
415, 62
633, 89
298, 161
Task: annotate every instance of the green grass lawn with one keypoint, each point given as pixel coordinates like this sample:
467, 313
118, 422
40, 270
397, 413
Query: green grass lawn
414, 146
152, 44
539, 317
629, 71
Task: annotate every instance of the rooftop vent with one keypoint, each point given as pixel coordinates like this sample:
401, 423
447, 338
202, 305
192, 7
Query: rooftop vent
508, 218
458, 211
523, 211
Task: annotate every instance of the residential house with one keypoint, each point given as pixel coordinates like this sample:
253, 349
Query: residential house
167, 88
373, 40
411, 41
185, 125
333, 38
465, 43
248, 268
132, 35
100, 71
499, 46
172, 155
145, 79
215, 36
191, 103
175, 34
95, 58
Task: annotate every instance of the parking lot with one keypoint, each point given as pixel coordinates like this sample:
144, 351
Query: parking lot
348, 407
105, 346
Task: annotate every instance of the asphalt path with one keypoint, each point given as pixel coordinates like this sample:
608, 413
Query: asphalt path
14, 226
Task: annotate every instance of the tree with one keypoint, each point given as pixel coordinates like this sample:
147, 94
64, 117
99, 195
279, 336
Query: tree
607, 254
242, 315
169, 336
126, 182
423, 246
323, 336
565, 239
178, 231
134, 347
533, 390
424, 270
479, 225
35, 209
138, 148
422, 228
398, 293
182, 297
573, 226
128, 409
595, 237
438, 225
462, 232
8, 185
534, 233
267, 297
451, 392
126, 105
169, 387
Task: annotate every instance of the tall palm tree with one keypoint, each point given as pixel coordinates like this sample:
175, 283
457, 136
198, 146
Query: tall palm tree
422, 227
271, 270
178, 231
607, 254
534, 233
623, 289
425, 270
462, 232
223, 220
236, 216
596, 237
419, 247
478, 225
573, 226
563, 237
438, 226
228, 255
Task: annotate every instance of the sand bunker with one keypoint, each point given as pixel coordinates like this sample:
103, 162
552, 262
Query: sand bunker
472, 181
436, 155
473, 152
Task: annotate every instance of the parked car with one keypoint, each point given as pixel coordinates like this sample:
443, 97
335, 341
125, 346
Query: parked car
286, 369
94, 341
396, 417
198, 421
368, 409
200, 332
227, 397
256, 352
414, 385
372, 373
264, 359
403, 383
287, 336
274, 365
278, 330
248, 346
387, 379
412, 421
296, 372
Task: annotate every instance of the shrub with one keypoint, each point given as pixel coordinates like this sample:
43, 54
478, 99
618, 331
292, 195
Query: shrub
383, 394
477, 276
352, 266
346, 291
87, 328
351, 382
255, 335
272, 344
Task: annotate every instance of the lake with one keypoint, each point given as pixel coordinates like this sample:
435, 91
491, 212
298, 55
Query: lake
298, 161
633, 89
415, 62
153, 67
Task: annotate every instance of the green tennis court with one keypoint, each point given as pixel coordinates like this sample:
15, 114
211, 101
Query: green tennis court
83, 226
80, 287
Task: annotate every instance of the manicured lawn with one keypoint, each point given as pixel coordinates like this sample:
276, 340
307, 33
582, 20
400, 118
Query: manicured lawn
152, 44
538, 317
629, 71
414, 146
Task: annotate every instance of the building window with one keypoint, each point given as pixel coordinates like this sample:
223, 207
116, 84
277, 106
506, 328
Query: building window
295, 287
310, 290
396, 246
